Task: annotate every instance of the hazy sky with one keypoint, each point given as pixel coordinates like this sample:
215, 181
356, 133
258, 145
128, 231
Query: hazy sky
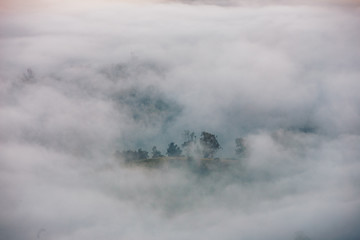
80, 81
88, 4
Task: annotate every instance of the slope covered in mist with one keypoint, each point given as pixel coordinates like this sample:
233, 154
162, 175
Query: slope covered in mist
78, 84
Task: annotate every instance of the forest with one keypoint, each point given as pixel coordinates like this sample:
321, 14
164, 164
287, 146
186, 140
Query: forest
203, 148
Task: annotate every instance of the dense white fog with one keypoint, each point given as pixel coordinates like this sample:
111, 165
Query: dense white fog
78, 84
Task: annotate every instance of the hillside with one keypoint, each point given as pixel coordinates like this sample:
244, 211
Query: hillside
182, 161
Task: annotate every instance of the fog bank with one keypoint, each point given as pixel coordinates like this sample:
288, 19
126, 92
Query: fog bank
78, 85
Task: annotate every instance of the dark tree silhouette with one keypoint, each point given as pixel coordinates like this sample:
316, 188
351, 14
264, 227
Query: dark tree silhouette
240, 147
209, 144
130, 155
156, 153
189, 137
173, 150
190, 142
143, 154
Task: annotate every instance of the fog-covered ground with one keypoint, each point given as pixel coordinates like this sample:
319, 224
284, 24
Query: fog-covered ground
78, 82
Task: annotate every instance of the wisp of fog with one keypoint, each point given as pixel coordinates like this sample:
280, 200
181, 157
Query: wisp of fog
79, 85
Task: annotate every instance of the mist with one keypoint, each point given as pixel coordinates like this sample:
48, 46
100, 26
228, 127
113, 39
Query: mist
79, 83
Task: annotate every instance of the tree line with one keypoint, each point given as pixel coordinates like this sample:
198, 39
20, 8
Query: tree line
204, 147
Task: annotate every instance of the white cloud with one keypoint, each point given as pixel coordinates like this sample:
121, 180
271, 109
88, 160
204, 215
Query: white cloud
285, 77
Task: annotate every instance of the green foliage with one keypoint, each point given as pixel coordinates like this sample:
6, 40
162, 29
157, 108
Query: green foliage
209, 144
156, 153
205, 147
189, 136
173, 150
240, 149
189, 142
143, 154
130, 155
148, 106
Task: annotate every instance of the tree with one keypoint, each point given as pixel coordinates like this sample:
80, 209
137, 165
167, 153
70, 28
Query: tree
189, 137
190, 143
156, 153
130, 155
240, 149
209, 144
143, 154
173, 150
29, 75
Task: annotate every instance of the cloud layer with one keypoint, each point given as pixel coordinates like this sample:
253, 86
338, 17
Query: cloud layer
76, 86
